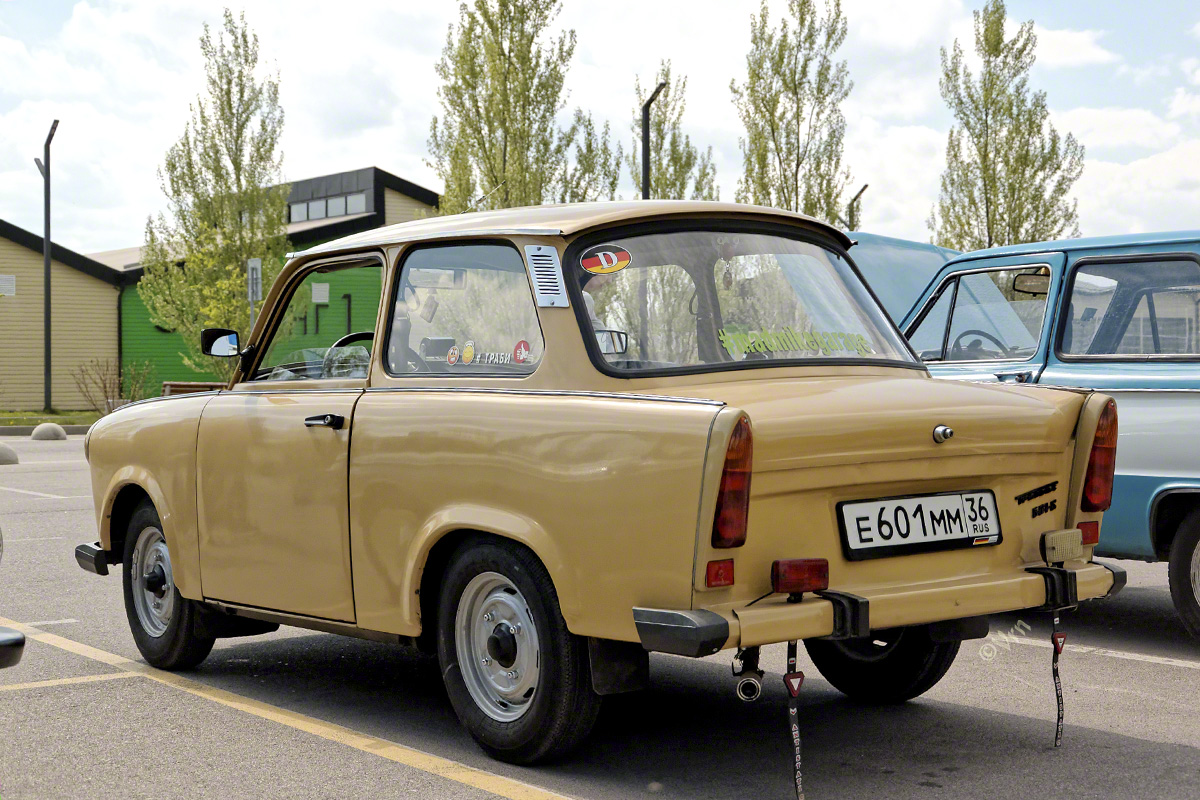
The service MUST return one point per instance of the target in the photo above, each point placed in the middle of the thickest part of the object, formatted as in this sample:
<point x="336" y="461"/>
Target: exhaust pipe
<point x="749" y="689"/>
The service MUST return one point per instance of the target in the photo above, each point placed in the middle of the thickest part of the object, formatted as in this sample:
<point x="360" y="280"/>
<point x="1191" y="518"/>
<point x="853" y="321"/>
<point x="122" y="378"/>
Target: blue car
<point x="1118" y="314"/>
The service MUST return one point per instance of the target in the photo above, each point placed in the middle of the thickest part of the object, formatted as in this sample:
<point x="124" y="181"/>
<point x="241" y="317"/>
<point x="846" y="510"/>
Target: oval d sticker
<point x="604" y="259"/>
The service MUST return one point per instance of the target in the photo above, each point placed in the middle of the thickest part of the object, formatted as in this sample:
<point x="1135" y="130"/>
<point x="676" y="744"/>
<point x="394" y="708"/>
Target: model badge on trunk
<point x="941" y="433"/>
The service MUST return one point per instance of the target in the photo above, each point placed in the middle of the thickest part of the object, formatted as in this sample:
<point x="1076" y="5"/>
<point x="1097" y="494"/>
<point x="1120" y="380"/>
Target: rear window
<point x="687" y="300"/>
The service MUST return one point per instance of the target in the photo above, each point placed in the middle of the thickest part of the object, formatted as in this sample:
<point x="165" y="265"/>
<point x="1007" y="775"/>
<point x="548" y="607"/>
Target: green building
<point x="319" y="209"/>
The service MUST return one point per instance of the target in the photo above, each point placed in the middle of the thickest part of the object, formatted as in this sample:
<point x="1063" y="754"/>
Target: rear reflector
<point x="1060" y="546"/>
<point x="1098" y="482"/>
<point x="733" y="496"/>
<point x="1091" y="533"/>
<point x="719" y="573"/>
<point x="798" y="575"/>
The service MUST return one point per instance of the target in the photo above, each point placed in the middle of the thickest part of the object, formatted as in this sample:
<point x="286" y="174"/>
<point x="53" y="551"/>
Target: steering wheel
<point x="955" y="347"/>
<point x="351" y="338"/>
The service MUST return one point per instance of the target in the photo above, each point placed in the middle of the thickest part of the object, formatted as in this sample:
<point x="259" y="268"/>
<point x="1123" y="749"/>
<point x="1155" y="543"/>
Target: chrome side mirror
<point x="615" y="342"/>
<point x="219" y="342"/>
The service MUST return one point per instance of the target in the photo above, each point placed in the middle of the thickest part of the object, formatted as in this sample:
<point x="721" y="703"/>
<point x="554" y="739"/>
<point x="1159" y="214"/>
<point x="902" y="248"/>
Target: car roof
<point x="1089" y="243"/>
<point x="556" y="220"/>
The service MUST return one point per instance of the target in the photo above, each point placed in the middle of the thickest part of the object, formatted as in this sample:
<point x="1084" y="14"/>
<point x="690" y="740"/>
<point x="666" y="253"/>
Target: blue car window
<point x="1134" y="309"/>
<point x="997" y="315"/>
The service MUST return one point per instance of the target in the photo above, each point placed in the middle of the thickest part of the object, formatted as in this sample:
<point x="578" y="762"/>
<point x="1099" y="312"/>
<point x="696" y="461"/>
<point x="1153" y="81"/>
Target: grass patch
<point x="38" y="417"/>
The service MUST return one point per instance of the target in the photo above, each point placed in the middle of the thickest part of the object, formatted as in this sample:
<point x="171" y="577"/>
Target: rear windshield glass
<point x="689" y="299"/>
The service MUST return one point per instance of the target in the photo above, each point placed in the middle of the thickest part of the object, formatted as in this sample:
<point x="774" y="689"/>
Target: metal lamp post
<point x="45" y="170"/>
<point x="646" y="140"/>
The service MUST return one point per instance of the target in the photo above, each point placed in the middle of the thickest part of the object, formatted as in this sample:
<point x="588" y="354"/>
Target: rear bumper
<point x="92" y="558"/>
<point x="696" y="633"/>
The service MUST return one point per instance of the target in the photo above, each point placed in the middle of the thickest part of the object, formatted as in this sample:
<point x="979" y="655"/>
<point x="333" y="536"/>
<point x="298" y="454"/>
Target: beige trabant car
<point x="542" y="442"/>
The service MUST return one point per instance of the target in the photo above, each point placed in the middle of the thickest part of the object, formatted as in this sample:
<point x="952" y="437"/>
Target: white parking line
<point x="35" y="494"/>
<point x="39" y="539"/>
<point x="51" y="622"/>
<point x="1103" y="651"/>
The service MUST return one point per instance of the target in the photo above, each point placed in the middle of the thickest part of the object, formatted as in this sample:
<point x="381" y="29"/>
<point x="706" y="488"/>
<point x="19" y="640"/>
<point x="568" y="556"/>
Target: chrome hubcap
<point x="497" y="646"/>
<point x="153" y="584"/>
<point x="1196" y="573"/>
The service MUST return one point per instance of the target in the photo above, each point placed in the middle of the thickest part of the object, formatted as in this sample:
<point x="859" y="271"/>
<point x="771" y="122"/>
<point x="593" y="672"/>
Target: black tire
<point x="182" y="645"/>
<point x="1185" y="582"/>
<point x="908" y="665"/>
<point x="562" y="708"/>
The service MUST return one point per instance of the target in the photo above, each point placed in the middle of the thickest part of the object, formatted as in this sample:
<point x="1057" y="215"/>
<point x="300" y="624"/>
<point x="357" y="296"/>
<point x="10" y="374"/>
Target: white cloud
<point x="1071" y="48"/>
<point x="1191" y="68"/>
<point x="1196" y="30"/>
<point x="1184" y="104"/>
<point x="1155" y="193"/>
<point x="1116" y="127"/>
<point x="902" y="164"/>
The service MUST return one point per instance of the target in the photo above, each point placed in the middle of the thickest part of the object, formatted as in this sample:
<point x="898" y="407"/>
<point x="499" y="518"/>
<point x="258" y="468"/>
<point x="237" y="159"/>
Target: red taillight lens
<point x="719" y="573"/>
<point x="733" y="497"/>
<point x="1091" y="532"/>
<point x="797" y="575"/>
<point x="1098" y="482"/>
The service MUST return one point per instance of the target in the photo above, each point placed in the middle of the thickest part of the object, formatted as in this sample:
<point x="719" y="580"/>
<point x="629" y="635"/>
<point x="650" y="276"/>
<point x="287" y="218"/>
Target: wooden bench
<point x="189" y="387"/>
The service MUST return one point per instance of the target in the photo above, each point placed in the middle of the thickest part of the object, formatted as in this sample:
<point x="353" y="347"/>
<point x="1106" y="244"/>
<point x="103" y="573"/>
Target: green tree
<point x="1008" y="172"/>
<point x="226" y="202"/>
<point x="790" y="106"/>
<point x="678" y="170"/>
<point x="498" y="143"/>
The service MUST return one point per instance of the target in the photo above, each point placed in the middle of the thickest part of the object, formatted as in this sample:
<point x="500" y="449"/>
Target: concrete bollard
<point x="48" y="431"/>
<point x="8" y="455"/>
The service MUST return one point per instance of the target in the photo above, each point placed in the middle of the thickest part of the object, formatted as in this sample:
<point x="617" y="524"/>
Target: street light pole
<point x="46" y="244"/>
<point x="646" y="140"/>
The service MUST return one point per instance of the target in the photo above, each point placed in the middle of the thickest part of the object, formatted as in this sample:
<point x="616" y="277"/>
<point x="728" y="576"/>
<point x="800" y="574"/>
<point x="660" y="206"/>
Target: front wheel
<point x="519" y="681"/>
<point x="1184" y="573"/>
<point x="164" y="624"/>
<point x="887" y="667"/>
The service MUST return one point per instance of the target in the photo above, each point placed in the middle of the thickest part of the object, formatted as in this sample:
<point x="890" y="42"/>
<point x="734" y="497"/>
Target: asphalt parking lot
<point x="298" y="714"/>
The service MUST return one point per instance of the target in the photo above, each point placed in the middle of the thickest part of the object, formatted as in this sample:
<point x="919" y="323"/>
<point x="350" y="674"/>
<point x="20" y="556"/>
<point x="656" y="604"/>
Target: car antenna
<point x="471" y="206"/>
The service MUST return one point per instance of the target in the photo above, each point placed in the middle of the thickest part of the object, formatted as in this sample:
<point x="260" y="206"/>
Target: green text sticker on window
<point x="790" y="340"/>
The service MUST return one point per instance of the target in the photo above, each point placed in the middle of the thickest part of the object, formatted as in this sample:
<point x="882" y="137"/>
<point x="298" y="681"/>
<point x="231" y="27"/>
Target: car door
<point x="987" y="319"/>
<point x="1130" y="327"/>
<point x="273" y="452"/>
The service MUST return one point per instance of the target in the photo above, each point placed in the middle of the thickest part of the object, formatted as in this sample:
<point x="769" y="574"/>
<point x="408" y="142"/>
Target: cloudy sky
<point x="359" y="89"/>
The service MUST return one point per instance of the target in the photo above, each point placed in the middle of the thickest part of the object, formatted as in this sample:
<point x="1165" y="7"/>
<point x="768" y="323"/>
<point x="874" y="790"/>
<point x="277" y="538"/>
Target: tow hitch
<point x="793" y="680"/>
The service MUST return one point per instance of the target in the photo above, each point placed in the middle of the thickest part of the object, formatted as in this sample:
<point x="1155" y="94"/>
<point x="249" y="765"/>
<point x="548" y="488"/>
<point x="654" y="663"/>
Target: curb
<point x="25" y="430"/>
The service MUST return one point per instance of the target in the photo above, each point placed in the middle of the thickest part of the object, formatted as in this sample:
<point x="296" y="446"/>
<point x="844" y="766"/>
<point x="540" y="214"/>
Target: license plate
<point x="918" y="524"/>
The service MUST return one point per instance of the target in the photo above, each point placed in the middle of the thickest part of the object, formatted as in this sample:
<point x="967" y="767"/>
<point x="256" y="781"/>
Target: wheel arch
<point x="443" y="536"/>
<point x="1167" y="510"/>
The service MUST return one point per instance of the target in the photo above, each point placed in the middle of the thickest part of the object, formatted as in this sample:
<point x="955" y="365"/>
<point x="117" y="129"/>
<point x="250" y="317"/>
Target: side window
<point x="998" y="314"/>
<point x="328" y="326"/>
<point x="930" y="335"/>
<point x="464" y="310"/>
<point x="1146" y="308"/>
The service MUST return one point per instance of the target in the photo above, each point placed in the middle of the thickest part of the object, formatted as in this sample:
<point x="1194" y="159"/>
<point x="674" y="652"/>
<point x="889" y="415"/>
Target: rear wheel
<point x="519" y="681"/>
<point x="164" y="624"/>
<point x="888" y="667"/>
<point x="1184" y="572"/>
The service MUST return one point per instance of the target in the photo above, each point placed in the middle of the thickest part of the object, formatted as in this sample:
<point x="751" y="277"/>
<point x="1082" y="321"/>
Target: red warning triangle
<point x="793" y="681"/>
<point x="1060" y="639"/>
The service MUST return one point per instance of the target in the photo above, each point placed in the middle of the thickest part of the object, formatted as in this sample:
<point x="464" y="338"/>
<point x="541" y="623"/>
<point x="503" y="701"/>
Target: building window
<point x="337" y="206"/>
<point x="299" y="212"/>
<point x="316" y="209"/>
<point x="356" y="203"/>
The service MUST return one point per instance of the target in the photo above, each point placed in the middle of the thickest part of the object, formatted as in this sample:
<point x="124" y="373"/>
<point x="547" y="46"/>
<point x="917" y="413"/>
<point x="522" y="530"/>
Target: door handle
<point x="1018" y="377"/>
<point x="335" y="421"/>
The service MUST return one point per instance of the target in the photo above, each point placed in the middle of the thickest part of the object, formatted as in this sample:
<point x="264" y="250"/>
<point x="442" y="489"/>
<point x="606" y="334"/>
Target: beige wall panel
<point x="85" y="327"/>
<point x="401" y="208"/>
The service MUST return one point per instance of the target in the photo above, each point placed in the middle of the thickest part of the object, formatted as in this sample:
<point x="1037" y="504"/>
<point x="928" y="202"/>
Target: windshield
<point x="689" y="299"/>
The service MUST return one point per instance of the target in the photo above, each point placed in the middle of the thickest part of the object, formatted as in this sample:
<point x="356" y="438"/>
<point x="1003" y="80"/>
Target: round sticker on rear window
<point x="604" y="259"/>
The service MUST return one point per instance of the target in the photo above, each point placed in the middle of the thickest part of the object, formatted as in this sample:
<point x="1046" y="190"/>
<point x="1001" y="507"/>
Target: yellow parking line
<point x="436" y="765"/>
<point x="108" y="676"/>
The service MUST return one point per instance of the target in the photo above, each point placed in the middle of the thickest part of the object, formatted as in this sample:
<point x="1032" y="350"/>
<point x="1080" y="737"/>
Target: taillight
<point x="799" y="575"/>
<point x="733" y="496"/>
<point x="1098" y="482"/>
<point x="1091" y="533"/>
<point x="719" y="573"/>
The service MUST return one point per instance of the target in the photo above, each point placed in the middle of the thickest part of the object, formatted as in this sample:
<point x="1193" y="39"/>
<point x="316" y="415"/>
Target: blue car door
<point x="988" y="319"/>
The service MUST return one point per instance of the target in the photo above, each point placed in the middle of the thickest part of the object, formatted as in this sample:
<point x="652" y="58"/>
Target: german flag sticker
<point x="605" y="259"/>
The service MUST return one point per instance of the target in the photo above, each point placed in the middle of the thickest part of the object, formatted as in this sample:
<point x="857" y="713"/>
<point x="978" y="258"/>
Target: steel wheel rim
<point x="494" y="626"/>
<point x="876" y="647"/>
<point x="154" y="608"/>
<point x="1196" y="573"/>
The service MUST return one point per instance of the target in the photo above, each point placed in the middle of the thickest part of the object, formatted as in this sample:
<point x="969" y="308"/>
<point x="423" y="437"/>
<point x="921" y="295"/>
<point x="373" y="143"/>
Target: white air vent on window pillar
<point x="546" y="270"/>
